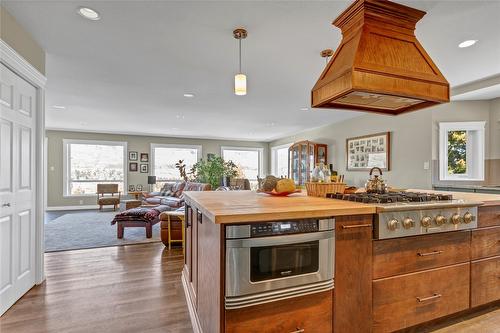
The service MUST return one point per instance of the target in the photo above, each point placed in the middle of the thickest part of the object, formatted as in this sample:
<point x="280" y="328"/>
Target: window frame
<point x="274" y="158"/>
<point x="260" y="151"/>
<point x="199" y="155"/>
<point x="475" y="155"/>
<point x="67" y="165"/>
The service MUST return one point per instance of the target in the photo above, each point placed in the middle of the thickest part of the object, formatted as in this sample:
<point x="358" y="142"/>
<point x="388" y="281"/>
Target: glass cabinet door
<point x="311" y="160"/>
<point x="294" y="163"/>
<point x="303" y="163"/>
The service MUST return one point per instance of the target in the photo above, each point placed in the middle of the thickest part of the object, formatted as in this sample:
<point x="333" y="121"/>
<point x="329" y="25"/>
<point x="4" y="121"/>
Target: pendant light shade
<point x="240" y="79"/>
<point x="240" y="84"/>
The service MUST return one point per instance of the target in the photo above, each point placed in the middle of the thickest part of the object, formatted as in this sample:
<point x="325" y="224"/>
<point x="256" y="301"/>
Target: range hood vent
<point x="380" y="66"/>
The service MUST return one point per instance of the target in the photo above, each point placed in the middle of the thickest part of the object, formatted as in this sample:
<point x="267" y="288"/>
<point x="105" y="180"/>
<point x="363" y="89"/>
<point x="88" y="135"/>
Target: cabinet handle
<point x="430" y="298"/>
<point x="433" y="253"/>
<point x="199" y="217"/>
<point x="187" y="220"/>
<point x="299" y="330"/>
<point x="357" y="226"/>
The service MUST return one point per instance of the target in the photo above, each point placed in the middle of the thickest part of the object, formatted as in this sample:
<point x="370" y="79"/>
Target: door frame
<point x="16" y="63"/>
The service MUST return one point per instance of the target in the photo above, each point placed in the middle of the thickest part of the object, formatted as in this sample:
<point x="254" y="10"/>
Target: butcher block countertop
<point x="486" y="198"/>
<point x="248" y="206"/>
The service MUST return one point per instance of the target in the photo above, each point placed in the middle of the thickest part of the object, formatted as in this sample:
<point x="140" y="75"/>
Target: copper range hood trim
<point x="379" y="55"/>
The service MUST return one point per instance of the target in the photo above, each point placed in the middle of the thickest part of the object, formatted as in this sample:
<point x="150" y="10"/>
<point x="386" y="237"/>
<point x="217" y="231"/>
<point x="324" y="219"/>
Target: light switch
<point x="426" y="165"/>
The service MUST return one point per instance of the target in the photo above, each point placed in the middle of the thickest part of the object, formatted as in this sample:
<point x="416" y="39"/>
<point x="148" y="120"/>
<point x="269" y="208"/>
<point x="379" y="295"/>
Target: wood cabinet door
<point x="307" y="314"/>
<point x="194" y="257"/>
<point x="407" y="300"/>
<point x="410" y="254"/>
<point x="488" y="216"/>
<point x="209" y="274"/>
<point x="353" y="274"/>
<point x="485" y="243"/>
<point x="485" y="281"/>
<point x="188" y="258"/>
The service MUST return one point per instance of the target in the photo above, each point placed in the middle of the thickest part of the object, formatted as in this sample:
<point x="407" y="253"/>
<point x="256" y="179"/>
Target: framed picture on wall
<point x="368" y="151"/>
<point x="138" y="187"/>
<point x="131" y="188"/>
<point x="144" y="168"/>
<point x="132" y="156"/>
<point x="144" y="157"/>
<point x="132" y="167"/>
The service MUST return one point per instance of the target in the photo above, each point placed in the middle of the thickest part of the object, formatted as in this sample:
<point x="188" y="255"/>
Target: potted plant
<point x="213" y="171"/>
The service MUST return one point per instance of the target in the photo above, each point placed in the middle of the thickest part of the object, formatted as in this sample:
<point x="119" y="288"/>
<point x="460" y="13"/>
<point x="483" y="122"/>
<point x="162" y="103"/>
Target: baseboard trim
<point x="195" y="321"/>
<point x="55" y="208"/>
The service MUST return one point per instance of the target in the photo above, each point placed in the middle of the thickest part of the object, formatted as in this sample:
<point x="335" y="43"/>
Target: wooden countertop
<point x="486" y="198"/>
<point x="248" y="206"/>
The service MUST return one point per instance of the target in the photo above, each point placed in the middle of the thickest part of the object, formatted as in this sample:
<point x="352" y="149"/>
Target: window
<point x="88" y="163"/>
<point x="461" y="150"/>
<point x="164" y="158"/>
<point x="279" y="160"/>
<point x="248" y="160"/>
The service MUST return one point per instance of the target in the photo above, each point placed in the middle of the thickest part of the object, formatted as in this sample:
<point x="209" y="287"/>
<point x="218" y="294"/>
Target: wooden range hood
<point x="380" y="66"/>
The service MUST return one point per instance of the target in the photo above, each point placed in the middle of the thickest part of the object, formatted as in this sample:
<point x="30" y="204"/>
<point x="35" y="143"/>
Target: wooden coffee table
<point x="129" y="204"/>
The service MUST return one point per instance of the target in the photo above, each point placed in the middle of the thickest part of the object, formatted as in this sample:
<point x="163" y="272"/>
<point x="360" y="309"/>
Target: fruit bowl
<point x="280" y="194"/>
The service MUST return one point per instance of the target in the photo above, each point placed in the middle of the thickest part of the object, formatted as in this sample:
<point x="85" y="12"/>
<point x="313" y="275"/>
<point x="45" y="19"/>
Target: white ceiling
<point x="127" y="73"/>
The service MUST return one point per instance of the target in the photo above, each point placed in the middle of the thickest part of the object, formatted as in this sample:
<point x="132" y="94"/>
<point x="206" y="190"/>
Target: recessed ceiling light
<point x="467" y="43"/>
<point x="89" y="13"/>
<point x="179" y="116"/>
<point x="189" y="95"/>
<point x="59" y="107"/>
<point x="304" y="109"/>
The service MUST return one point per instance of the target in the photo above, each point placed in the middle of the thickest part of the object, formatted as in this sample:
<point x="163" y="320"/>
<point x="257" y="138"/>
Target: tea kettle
<point x="375" y="184"/>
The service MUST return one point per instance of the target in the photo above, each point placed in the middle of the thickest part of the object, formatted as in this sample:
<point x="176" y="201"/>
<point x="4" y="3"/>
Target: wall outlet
<point x="426" y="165"/>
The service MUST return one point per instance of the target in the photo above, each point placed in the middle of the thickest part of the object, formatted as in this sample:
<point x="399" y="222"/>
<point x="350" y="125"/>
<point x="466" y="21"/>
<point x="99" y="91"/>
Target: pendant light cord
<point x="240" y="55"/>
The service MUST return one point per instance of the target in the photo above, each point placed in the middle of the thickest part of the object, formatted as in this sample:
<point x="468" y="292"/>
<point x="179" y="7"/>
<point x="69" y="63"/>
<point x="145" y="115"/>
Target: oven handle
<point x="279" y="240"/>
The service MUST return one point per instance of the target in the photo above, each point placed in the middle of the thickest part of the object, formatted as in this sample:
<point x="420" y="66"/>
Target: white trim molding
<point x="475" y="150"/>
<point x="274" y="151"/>
<point x="199" y="154"/>
<point x="83" y="207"/>
<point x="19" y="65"/>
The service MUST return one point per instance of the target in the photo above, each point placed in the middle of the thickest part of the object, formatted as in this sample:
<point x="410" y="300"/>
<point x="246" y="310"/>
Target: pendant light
<point x="240" y="79"/>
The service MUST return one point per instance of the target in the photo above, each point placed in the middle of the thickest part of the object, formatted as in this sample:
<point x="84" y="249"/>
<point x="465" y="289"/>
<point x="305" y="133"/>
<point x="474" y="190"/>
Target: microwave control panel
<point x="281" y="228"/>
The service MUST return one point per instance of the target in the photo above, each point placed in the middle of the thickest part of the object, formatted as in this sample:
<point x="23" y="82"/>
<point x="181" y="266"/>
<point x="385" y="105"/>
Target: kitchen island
<point x="360" y="263"/>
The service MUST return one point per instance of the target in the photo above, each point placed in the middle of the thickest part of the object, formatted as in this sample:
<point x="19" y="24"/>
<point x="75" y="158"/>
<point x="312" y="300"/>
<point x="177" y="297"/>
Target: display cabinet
<point x="302" y="157"/>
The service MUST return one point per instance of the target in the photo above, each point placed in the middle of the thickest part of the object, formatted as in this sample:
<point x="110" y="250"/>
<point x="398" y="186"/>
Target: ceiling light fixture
<point x="467" y="43"/>
<point x="240" y="79"/>
<point x="89" y="13"/>
<point x="189" y="95"/>
<point x="304" y="109"/>
<point x="59" y="107"/>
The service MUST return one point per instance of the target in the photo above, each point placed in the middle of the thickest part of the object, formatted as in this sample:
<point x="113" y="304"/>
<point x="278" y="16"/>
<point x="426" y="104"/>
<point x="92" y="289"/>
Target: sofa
<point x="172" y="195"/>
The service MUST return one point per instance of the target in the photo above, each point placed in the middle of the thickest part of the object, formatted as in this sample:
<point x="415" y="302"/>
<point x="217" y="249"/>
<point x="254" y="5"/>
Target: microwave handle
<point x="279" y="240"/>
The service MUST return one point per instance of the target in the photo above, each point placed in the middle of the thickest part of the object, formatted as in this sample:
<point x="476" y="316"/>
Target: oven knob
<point x="426" y="221"/>
<point x="455" y="219"/>
<point x="408" y="223"/>
<point x="440" y="220"/>
<point x="468" y="217"/>
<point x="393" y="224"/>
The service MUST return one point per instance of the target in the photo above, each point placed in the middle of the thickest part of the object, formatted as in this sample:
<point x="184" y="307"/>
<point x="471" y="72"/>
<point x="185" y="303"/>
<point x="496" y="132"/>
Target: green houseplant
<point x="213" y="171"/>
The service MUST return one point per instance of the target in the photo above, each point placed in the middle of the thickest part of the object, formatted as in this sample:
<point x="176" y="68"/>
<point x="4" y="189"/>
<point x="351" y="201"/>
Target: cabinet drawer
<point x="485" y="242"/>
<point x="407" y="300"/>
<point x="488" y="216"/>
<point x="311" y="313"/>
<point x="485" y="281"/>
<point x="405" y="255"/>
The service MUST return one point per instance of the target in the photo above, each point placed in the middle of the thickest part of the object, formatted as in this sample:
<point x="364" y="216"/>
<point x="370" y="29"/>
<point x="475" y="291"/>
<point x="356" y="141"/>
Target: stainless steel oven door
<point x="248" y="268"/>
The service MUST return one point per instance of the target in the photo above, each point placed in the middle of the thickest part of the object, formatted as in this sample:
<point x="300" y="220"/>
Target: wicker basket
<point x="321" y="189"/>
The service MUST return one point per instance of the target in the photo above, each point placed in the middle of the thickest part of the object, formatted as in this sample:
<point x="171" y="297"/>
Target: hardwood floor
<point x="133" y="288"/>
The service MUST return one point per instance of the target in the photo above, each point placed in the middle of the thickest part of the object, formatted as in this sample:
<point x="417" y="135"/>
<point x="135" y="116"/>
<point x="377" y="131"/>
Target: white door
<point x="17" y="187"/>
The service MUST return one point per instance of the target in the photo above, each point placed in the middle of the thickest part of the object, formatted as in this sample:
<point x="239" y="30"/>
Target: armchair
<point x="103" y="198"/>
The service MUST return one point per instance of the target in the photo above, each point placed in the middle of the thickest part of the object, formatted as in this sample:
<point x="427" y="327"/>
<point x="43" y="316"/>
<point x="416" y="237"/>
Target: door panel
<point x="5" y="253"/>
<point x="24" y="158"/>
<point x="5" y="155"/>
<point x="17" y="187"/>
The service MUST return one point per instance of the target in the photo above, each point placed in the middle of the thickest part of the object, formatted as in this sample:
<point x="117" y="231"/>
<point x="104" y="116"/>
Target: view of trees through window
<point x="247" y="161"/>
<point x="281" y="162"/>
<point x="92" y="164"/>
<point x="165" y="159"/>
<point x="457" y="152"/>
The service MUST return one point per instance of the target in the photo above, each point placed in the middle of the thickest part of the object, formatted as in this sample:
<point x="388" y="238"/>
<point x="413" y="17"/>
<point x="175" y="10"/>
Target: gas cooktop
<point x="401" y="214"/>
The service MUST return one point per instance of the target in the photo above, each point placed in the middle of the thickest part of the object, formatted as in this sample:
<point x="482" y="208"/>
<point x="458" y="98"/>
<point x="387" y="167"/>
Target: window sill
<point x="462" y="180"/>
